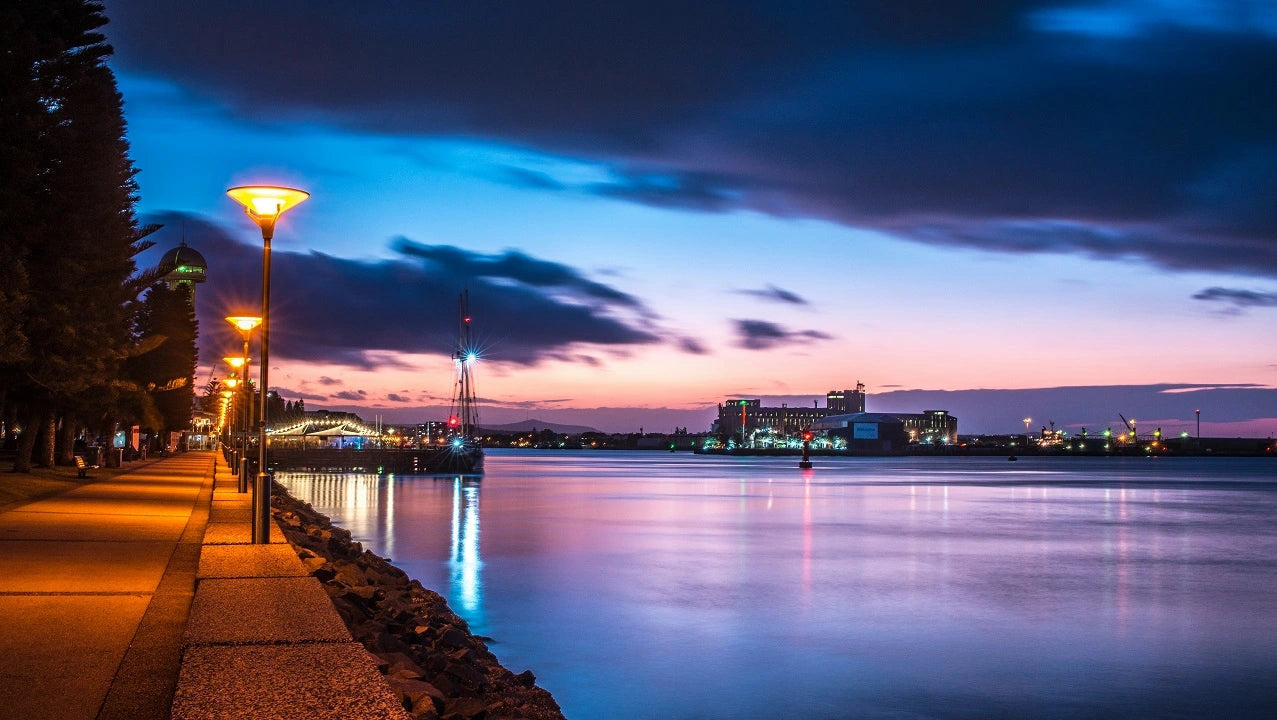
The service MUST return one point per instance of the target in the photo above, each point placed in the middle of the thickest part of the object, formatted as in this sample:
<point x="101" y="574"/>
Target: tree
<point x="68" y="215"/>
<point x="166" y="372"/>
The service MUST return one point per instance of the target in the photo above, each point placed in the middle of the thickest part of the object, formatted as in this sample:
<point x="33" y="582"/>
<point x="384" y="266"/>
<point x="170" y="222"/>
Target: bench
<point x="82" y="467"/>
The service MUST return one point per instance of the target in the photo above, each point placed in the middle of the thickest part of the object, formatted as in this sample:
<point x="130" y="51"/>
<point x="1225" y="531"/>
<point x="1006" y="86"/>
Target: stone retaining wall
<point x="427" y="652"/>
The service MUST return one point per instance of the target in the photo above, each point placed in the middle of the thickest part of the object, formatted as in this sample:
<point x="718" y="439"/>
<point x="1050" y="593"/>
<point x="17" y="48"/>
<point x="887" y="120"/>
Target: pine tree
<point x="70" y="219"/>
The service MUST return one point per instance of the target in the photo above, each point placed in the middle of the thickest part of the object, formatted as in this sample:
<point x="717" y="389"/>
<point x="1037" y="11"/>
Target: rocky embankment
<point x="427" y="653"/>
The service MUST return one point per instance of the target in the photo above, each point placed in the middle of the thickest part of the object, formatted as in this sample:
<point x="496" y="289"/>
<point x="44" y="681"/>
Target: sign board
<point x="864" y="431"/>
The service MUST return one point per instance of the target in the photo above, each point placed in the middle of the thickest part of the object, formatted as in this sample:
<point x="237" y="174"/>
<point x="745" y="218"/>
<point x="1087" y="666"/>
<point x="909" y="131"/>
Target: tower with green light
<point x="183" y="265"/>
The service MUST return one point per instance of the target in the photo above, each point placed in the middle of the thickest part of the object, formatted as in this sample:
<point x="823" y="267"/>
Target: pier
<point x="407" y="461"/>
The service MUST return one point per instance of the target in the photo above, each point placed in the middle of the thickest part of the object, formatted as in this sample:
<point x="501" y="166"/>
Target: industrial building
<point x="843" y="416"/>
<point x="890" y="431"/>
<point x="784" y="420"/>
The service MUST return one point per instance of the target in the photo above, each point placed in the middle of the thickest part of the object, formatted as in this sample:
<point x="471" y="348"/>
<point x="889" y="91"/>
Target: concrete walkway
<point x="140" y="597"/>
<point x="95" y="585"/>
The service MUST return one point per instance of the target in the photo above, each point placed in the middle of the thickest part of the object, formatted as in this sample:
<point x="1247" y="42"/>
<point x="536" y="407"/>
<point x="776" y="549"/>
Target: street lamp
<point x="1027" y="420"/>
<point x="264" y="204"/>
<point x="245" y="325"/>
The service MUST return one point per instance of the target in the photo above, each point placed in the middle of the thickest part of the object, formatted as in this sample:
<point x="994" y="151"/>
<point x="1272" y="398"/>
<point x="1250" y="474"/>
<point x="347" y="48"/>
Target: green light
<point x="742" y="402"/>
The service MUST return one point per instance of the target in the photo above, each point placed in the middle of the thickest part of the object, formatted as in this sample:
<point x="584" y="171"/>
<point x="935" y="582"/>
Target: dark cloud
<point x="762" y="335"/>
<point x="296" y="394"/>
<point x="1118" y="130"/>
<point x="522" y="177"/>
<point x="365" y="314"/>
<point x="1237" y="298"/>
<point x="355" y="395"/>
<point x="692" y="346"/>
<point x="396" y="397"/>
<point x="514" y="266"/>
<point x="686" y="190"/>
<point x="775" y="294"/>
<point x="325" y="380"/>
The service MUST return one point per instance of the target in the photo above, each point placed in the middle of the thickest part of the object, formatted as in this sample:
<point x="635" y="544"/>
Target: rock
<point x="452" y="637"/>
<point x="313" y="563"/>
<point x="418" y="693"/>
<point x="472" y="708"/>
<point x="401" y="665"/>
<point x="367" y="593"/>
<point x="426" y="652"/>
<point x="466" y="675"/>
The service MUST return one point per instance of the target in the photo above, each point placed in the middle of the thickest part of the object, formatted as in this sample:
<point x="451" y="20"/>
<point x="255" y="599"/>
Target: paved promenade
<point x="140" y="597"/>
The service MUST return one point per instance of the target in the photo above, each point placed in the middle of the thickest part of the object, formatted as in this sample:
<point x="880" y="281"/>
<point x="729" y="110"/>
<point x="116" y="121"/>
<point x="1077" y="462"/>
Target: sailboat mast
<point x="465" y="355"/>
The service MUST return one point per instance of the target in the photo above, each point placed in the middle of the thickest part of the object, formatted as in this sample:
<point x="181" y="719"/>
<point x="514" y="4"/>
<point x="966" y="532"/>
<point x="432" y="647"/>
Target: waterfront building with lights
<point x="843" y="416"/>
<point x="784" y="420"/>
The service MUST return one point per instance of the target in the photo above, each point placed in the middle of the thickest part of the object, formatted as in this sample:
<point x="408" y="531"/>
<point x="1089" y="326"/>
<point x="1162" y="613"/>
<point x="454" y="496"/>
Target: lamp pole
<point x="237" y="405"/>
<point x="264" y="205"/>
<point x="1199" y="423"/>
<point x="245" y="325"/>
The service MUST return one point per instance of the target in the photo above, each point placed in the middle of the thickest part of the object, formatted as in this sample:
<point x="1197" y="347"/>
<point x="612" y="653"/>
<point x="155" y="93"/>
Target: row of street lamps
<point x="263" y="205"/>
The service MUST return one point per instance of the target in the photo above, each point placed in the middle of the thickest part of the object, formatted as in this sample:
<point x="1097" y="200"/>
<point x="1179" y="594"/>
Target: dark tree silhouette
<point x="166" y="372"/>
<point x="66" y="218"/>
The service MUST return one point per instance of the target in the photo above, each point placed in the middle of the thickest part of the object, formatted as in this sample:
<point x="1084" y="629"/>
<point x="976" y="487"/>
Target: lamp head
<point x="231" y="382"/>
<point x="265" y="203"/>
<point x="235" y="362"/>
<point x="244" y="323"/>
<point x="227" y="394"/>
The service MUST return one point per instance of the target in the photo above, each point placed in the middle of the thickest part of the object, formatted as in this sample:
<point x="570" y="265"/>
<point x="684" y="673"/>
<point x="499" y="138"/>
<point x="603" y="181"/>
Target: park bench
<point x="82" y="467"/>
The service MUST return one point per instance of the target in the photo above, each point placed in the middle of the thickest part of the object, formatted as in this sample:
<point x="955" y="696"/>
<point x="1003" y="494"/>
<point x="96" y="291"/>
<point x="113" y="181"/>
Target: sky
<point x="995" y="208"/>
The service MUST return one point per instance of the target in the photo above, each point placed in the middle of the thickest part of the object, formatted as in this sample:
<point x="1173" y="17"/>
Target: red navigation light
<point x="467" y="319"/>
<point x="807" y="436"/>
<point x="452" y="421"/>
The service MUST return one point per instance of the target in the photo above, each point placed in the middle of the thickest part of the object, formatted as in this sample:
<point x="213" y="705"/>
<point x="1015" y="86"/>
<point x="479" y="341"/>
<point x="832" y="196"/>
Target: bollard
<point x="243" y="474"/>
<point x="261" y="509"/>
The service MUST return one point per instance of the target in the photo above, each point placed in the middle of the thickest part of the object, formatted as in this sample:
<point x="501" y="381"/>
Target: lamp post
<point x="1199" y="424"/>
<point x="245" y="324"/>
<point x="240" y="365"/>
<point x="1027" y="420"/>
<point x="264" y="205"/>
<point x="226" y="405"/>
<point x="237" y="452"/>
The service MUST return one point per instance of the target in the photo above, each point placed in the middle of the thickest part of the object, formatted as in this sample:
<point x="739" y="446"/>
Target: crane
<point x="1130" y="425"/>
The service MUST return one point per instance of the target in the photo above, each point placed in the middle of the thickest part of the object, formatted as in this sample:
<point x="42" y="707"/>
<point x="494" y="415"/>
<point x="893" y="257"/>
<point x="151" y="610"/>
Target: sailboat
<point x="463" y="452"/>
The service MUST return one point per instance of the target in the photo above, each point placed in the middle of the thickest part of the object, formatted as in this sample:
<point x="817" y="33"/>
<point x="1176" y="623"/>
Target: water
<point x="654" y="585"/>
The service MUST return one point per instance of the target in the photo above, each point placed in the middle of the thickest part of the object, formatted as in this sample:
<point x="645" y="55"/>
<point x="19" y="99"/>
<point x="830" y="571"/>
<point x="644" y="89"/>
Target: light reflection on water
<point x="661" y="586"/>
<point x="465" y="563"/>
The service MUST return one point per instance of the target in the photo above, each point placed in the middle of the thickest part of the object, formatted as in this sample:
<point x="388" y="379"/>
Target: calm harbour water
<point x="655" y="585"/>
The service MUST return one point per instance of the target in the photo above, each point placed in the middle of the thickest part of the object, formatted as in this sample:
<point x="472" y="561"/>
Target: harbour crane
<point x="1130" y="425"/>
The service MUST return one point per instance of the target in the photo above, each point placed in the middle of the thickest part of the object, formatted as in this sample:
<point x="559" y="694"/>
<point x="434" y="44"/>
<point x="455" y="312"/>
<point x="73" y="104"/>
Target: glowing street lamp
<point x="245" y="324"/>
<point x="263" y="205"/>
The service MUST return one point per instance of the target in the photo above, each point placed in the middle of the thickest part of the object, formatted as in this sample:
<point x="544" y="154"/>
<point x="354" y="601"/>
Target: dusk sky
<point x="658" y="206"/>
